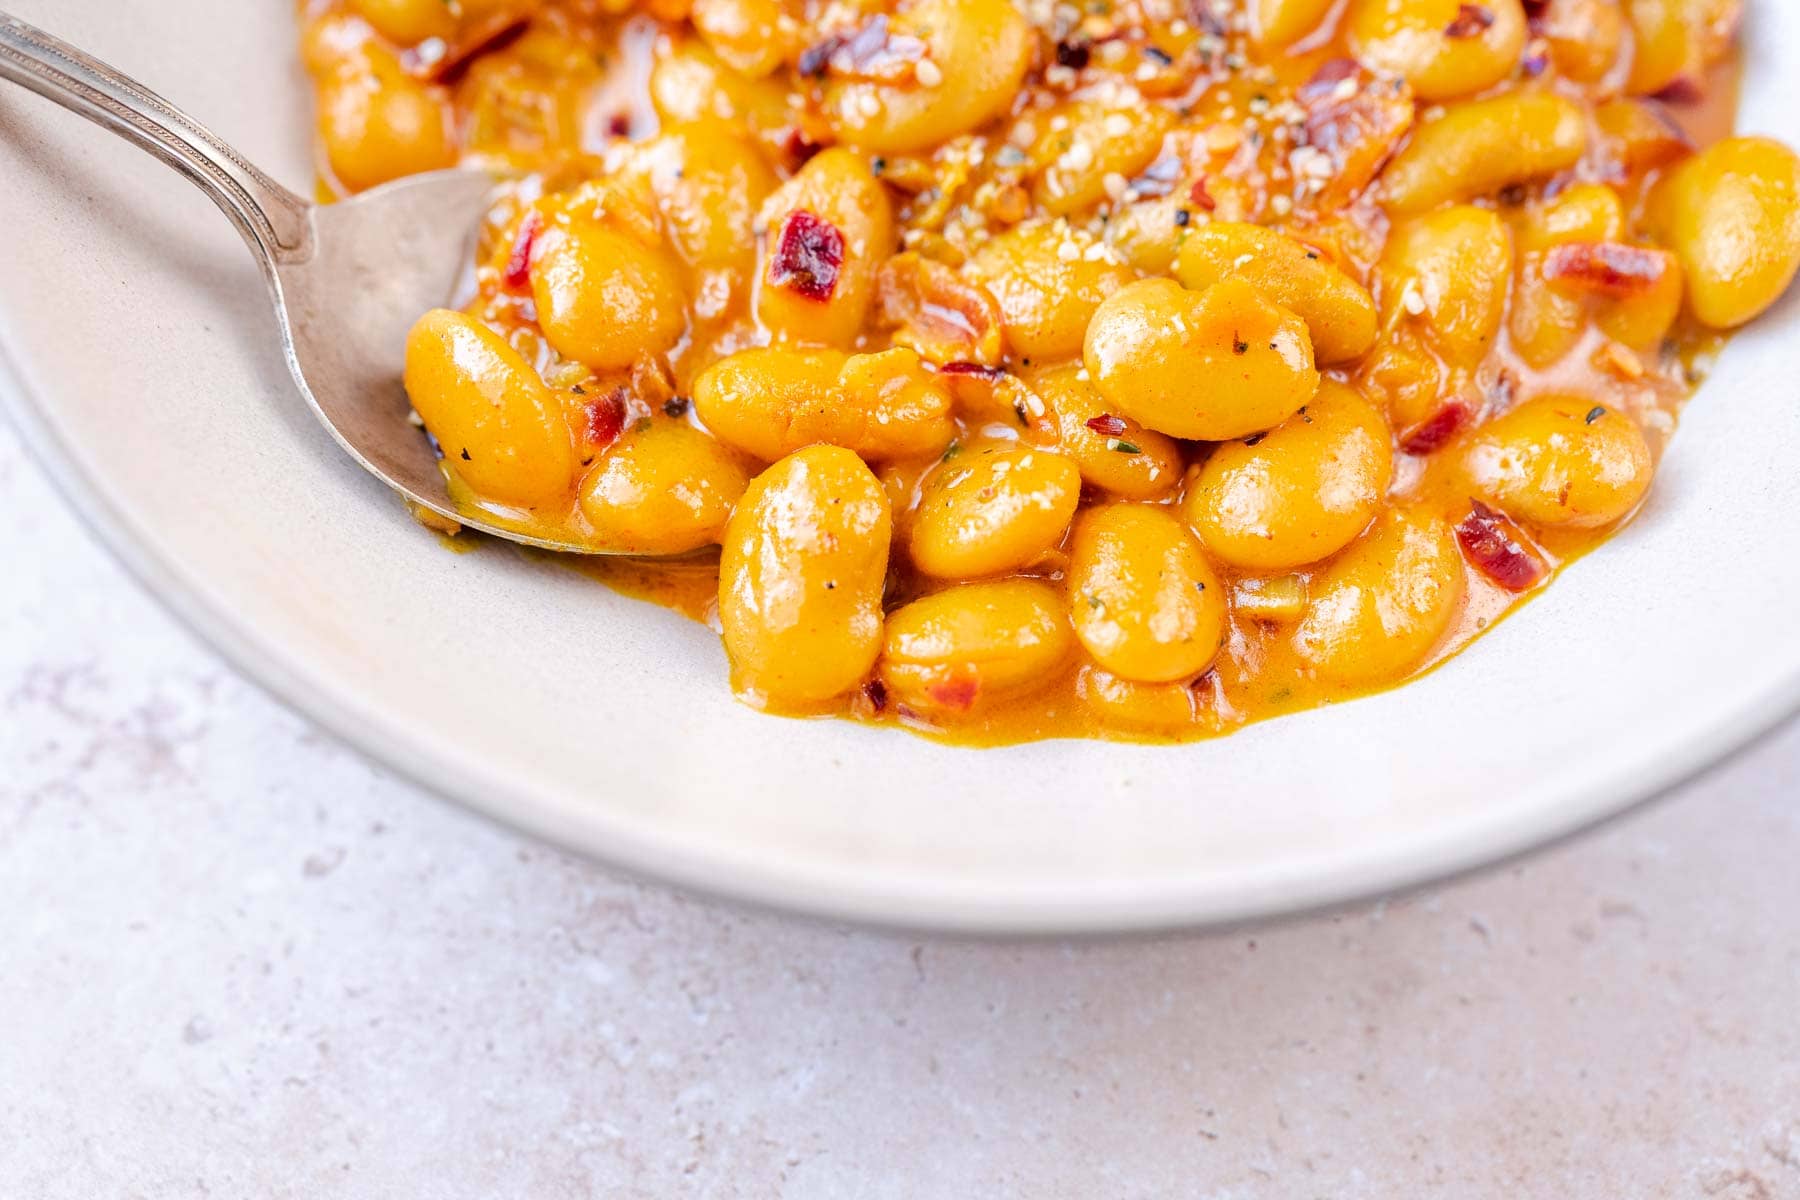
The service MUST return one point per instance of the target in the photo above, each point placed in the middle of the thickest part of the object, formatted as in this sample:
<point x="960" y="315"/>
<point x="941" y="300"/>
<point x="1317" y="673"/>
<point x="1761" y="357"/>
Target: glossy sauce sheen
<point x="1204" y="179"/>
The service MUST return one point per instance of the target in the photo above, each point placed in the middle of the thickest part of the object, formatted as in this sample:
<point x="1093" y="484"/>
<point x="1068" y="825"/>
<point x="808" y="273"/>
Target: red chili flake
<point x="876" y="693"/>
<point x="809" y="251"/>
<point x="619" y="125"/>
<point x="971" y="368"/>
<point x="957" y="692"/>
<point x="518" y="263"/>
<point x="1201" y="197"/>
<point x="1472" y="20"/>
<point x="1611" y="268"/>
<point x="1106" y="425"/>
<point x="604" y="418"/>
<point x="1495" y="547"/>
<point x="1434" y="431"/>
<point x="1074" y="53"/>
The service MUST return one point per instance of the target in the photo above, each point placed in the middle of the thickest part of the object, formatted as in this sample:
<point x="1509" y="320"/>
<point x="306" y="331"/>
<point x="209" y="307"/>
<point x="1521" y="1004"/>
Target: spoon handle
<point x="272" y="219"/>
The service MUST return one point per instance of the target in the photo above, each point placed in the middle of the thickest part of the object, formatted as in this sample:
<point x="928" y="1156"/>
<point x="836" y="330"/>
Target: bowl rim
<point x="1404" y="866"/>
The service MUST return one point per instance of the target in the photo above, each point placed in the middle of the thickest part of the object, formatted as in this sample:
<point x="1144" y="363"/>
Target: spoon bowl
<point x="348" y="279"/>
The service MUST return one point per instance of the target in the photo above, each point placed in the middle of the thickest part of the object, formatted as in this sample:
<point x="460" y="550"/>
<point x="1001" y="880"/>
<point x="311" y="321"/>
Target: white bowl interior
<point x="146" y="370"/>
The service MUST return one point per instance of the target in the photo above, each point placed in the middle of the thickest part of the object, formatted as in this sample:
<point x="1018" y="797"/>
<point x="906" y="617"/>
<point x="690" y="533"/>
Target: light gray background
<point x="236" y="960"/>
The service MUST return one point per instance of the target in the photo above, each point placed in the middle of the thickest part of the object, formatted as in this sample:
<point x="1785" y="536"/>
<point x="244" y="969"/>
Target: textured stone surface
<point x="236" y="960"/>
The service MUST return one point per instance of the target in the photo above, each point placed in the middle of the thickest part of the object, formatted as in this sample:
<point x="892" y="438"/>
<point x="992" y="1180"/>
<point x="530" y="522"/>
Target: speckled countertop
<point x="238" y="961"/>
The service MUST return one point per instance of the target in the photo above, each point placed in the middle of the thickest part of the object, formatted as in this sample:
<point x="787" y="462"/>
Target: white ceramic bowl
<point x="140" y="360"/>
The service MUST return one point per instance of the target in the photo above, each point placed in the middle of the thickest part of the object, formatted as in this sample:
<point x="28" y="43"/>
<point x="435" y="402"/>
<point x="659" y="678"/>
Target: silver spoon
<point x="348" y="279"/>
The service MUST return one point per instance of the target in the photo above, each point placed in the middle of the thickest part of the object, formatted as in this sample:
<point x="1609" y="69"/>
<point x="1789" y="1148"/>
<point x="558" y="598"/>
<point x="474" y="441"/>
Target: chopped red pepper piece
<point x="1106" y="425"/>
<point x="1609" y="267"/>
<point x="518" y="263"/>
<point x="1496" y="548"/>
<point x="971" y="368"/>
<point x="604" y="418"/>
<point x="809" y="252"/>
<point x="1434" y="431"/>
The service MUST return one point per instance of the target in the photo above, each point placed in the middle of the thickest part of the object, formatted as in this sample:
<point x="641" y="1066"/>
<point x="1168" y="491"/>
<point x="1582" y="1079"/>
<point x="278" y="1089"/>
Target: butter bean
<point x="1380" y="608"/>
<point x="1435" y="45"/>
<point x="974" y="642"/>
<point x="1338" y="311"/>
<point x="1561" y="461"/>
<point x="827" y="231"/>
<point x="1114" y="452"/>
<point x="1480" y="146"/>
<point x="662" y="488"/>
<point x="1301" y="493"/>
<point x="1211" y="365"/>
<point x="801" y="576"/>
<point x="603" y="295"/>
<point x="1449" y="271"/>
<point x="1047" y="296"/>
<point x="774" y="400"/>
<point x="1732" y="215"/>
<point x="993" y="507"/>
<point x="1147" y="605"/>
<point x="501" y="430"/>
